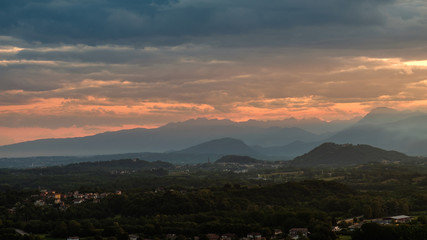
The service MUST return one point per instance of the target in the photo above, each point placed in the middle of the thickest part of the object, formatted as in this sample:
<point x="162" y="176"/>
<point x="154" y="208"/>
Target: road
<point x="21" y="232"/>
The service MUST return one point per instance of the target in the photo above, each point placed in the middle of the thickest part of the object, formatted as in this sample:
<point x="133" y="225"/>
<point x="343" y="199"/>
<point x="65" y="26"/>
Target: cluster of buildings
<point x="122" y="172"/>
<point x="61" y="199"/>
<point x="245" y="167"/>
<point x="352" y="224"/>
<point x="294" y="233"/>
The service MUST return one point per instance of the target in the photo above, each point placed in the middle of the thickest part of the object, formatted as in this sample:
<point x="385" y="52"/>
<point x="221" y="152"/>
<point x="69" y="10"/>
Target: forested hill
<point x="221" y="146"/>
<point x="331" y="154"/>
<point x="104" y="166"/>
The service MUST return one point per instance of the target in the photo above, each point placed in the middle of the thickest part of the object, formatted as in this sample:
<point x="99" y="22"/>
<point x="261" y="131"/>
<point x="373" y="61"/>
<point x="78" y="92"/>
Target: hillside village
<point x="62" y="201"/>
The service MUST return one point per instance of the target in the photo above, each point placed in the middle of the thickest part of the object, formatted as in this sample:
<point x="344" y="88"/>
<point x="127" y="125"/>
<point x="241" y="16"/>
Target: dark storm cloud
<point x="29" y="78"/>
<point x="88" y="54"/>
<point x="71" y="58"/>
<point x="175" y="22"/>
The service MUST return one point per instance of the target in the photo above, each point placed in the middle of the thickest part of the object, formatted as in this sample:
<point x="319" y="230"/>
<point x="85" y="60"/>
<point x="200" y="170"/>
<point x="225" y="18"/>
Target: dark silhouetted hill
<point x="223" y="146"/>
<point x="390" y="129"/>
<point x="104" y="166"/>
<point x="331" y="154"/>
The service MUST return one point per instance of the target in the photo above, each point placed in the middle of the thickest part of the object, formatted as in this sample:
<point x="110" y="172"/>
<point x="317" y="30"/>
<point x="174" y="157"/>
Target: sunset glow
<point x="60" y="77"/>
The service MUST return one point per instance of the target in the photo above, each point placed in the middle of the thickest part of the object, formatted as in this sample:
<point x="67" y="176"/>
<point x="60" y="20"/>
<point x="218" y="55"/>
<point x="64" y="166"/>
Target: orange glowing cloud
<point x="300" y="108"/>
<point x="15" y="135"/>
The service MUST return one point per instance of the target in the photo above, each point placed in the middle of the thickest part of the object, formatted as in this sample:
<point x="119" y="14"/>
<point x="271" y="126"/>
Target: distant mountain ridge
<point x="171" y="137"/>
<point x="223" y="146"/>
<point x="385" y="128"/>
<point x="384" y="115"/>
<point x="326" y="154"/>
<point x="208" y="151"/>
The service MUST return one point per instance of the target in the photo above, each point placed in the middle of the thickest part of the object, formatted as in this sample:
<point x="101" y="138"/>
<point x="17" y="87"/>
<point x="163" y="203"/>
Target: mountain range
<point x="385" y="128"/>
<point x="170" y="137"/>
<point x="326" y="154"/>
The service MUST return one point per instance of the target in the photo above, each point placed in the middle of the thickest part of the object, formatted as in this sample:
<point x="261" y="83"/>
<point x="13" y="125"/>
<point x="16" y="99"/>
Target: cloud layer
<point x="103" y="64"/>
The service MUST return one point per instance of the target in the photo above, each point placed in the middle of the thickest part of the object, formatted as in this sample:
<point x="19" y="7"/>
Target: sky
<point x="73" y="68"/>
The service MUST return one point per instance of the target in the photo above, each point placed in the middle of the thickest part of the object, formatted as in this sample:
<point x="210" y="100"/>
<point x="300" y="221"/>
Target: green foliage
<point x="238" y="159"/>
<point x="194" y="201"/>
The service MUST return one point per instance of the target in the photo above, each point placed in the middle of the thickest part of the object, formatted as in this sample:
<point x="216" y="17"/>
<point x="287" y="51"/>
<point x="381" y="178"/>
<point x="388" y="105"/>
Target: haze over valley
<point x="197" y="140"/>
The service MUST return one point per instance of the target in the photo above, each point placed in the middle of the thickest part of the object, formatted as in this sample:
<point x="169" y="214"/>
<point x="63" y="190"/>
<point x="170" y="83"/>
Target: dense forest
<point x="158" y="200"/>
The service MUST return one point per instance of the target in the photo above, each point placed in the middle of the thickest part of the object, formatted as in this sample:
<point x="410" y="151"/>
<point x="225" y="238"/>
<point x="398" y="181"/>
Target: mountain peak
<point x="382" y="115"/>
<point x="384" y="110"/>
<point x="221" y="146"/>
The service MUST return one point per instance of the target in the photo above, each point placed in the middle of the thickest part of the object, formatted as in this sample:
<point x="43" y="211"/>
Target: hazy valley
<point x="200" y="140"/>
